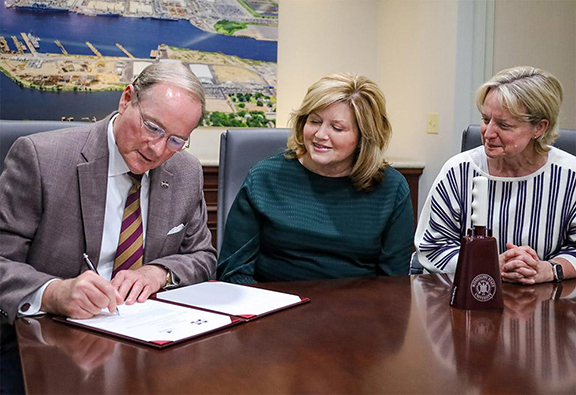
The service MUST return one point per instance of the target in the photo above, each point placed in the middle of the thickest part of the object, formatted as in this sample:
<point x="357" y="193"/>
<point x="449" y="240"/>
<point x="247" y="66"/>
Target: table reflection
<point x="535" y="333"/>
<point x="82" y="348"/>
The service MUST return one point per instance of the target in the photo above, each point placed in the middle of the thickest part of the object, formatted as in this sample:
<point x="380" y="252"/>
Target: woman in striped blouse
<point x="532" y="186"/>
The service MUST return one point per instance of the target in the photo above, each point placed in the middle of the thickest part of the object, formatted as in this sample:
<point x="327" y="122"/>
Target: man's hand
<point x="80" y="297"/>
<point x="138" y="285"/>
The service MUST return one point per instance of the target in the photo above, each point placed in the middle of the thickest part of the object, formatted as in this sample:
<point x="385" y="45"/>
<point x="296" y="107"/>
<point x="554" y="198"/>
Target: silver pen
<point x="93" y="268"/>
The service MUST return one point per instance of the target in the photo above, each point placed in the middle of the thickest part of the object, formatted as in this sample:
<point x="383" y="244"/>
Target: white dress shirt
<point x="119" y="184"/>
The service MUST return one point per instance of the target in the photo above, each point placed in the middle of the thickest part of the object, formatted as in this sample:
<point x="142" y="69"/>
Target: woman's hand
<point x="522" y="265"/>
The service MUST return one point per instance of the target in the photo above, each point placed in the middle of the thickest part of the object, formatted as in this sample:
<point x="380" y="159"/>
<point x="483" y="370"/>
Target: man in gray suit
<point x="62" y="195"/>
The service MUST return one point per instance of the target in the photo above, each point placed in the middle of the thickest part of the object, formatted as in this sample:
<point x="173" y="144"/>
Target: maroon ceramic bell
<point x="477" y="284"/>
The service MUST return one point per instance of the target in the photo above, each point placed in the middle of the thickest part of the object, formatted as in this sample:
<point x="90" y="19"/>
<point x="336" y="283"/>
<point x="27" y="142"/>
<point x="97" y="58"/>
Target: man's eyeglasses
<point x="174" y="143"/>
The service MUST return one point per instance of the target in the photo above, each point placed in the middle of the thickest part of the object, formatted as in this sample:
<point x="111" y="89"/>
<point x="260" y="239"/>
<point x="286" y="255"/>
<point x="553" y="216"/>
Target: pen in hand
<point x="93" y="268"/>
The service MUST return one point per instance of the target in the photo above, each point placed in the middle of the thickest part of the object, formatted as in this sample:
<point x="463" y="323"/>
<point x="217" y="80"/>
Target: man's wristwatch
<point x="169" y="279"/>
<point x="557" y="270"/>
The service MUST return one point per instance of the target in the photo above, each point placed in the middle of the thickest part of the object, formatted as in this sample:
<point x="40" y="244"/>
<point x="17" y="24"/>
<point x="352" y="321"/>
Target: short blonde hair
<point x="369" y="107"/>
<point x="530" y="95"/>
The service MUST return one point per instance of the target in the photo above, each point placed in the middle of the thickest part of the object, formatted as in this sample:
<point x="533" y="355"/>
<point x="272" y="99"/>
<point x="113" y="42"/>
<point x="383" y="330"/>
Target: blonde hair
<point x="530" y="95"/>
<point x="369" y="107"/>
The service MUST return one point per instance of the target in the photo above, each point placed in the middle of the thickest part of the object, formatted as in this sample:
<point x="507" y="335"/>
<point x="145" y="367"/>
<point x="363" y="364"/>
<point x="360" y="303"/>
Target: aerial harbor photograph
<point x="71" y="59"/>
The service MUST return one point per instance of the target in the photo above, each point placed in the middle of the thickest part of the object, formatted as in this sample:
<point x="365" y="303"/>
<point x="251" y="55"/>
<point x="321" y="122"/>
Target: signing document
<point x="155" y="322"/>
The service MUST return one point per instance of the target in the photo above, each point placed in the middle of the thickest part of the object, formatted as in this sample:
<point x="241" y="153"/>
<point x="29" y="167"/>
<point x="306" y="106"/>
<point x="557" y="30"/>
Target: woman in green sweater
<point x="330" y="206"/>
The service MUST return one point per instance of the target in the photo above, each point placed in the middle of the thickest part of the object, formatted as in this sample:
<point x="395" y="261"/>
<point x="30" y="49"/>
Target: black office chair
<point x="471" y="138"/>
<point x="240" y="149"/>
<point x="10" y="130"/>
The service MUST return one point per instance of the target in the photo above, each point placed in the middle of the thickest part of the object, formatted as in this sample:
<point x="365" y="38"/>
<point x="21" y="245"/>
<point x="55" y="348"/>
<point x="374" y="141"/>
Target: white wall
<point x="417" y="75"/>
<point x="541" y="34"/>
<point x="321" y="37"/>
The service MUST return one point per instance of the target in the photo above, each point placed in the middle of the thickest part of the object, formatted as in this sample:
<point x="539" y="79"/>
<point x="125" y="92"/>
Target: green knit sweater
<point x="288" y="223"/>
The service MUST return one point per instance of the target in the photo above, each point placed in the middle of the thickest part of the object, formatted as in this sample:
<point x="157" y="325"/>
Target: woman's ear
<point x="541" y="128"/>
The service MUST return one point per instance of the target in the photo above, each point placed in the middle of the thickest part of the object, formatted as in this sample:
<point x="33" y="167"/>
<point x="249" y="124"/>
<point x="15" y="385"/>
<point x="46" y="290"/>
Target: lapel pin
<point x="165" y="184"/>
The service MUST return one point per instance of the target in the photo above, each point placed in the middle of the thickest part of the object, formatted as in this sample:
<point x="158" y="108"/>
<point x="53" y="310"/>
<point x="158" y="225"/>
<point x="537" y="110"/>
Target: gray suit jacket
<point x="52" y="203"/>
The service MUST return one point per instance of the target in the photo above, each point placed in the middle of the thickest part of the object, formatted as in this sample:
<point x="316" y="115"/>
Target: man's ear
<point x="127" y="96"/>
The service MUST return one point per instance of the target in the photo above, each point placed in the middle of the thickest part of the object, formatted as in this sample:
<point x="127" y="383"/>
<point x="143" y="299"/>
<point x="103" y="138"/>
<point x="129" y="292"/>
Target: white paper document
<point x="229" y="298"/>
<point x="154" y="321"/>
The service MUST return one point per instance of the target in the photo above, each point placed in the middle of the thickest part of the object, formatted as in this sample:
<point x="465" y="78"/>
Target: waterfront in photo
<point x="17" y="102"/>
<point x="137" y="35"/>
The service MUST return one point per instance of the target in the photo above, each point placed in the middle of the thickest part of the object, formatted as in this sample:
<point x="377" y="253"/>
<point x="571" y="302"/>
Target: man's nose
<point x="158" y="146"/>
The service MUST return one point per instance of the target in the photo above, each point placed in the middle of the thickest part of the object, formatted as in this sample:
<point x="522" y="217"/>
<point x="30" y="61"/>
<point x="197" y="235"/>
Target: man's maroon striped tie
<point x="130" y="246"/>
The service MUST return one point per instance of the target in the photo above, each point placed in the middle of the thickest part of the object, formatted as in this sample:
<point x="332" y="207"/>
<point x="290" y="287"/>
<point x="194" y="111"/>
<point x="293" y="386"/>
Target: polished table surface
<point x="377" y="335"/>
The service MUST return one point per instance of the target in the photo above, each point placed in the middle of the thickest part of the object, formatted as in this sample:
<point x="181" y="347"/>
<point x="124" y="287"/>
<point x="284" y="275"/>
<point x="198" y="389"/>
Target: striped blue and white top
<point x="538" y="210"/>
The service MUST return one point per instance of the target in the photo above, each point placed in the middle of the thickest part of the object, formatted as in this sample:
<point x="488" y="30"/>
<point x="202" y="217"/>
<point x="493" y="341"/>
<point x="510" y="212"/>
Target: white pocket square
<point x="176" y="229"/>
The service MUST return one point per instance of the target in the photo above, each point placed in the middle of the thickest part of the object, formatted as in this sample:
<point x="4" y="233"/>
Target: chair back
<point x="240" y="149"/>
<point x="10" y="131"/>
<point x="471" y="138"/>
<point x="415" y="265"/>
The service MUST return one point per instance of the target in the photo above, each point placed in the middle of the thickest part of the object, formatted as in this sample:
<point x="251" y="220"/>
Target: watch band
<point x="557" y="270"/>
<point x="169" y="279"/>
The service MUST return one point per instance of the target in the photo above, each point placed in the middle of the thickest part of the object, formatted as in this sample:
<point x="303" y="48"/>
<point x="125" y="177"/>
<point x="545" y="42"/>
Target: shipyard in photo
<point x="251" y="18"/>
<point x="239" y="91"/>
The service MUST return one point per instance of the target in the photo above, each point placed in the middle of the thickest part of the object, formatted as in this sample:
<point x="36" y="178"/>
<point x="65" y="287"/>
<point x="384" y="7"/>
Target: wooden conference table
<point x="379" y="335"/>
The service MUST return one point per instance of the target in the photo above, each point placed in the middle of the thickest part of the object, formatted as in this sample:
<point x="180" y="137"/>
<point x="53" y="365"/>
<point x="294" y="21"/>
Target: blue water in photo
<point x="137" y="35"/>
<point x="22" y="103"/>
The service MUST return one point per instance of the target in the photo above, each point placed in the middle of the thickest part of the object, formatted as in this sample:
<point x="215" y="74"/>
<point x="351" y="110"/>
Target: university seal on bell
<point x="483" y="287"/>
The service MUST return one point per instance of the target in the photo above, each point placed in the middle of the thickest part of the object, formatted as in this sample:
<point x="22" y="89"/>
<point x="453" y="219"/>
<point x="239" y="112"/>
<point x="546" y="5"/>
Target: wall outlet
<point x="432" y="124"/>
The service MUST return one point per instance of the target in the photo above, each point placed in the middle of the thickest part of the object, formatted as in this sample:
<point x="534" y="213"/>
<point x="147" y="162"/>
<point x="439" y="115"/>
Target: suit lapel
<point x="93" y="180"/>
<point x="159" y="215"/>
